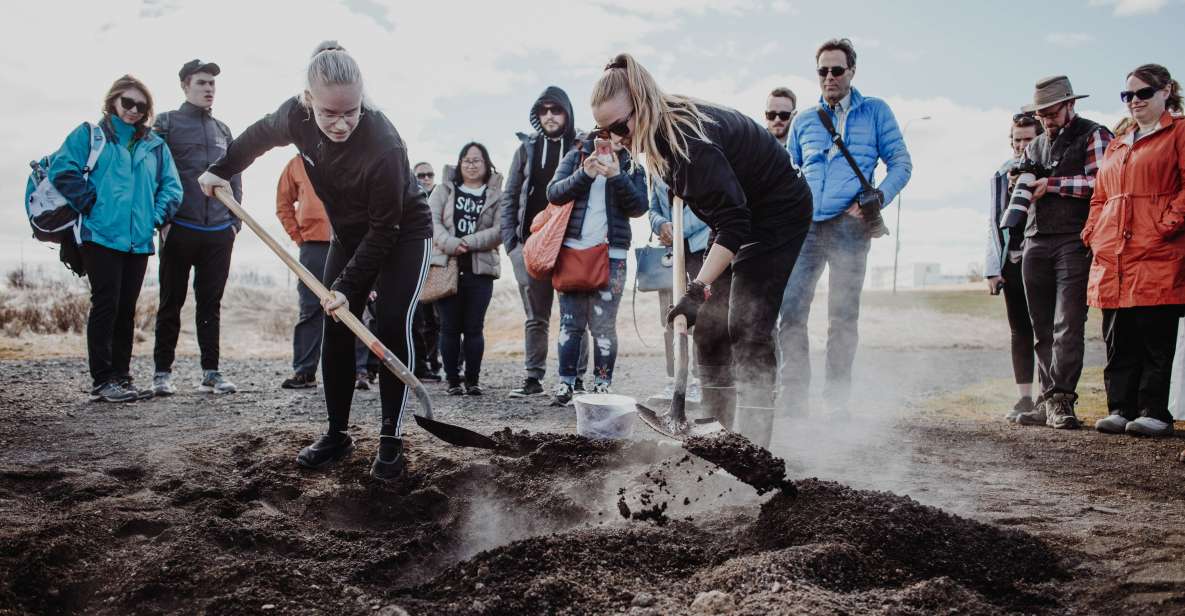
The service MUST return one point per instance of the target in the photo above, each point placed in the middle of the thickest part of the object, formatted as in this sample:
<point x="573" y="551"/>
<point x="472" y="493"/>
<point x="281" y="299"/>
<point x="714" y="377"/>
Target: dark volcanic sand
<point x="742" y="459"/>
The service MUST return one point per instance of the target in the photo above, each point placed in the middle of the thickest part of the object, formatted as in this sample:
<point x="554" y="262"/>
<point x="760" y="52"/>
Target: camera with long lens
<point x="1027" y="172"/>
<point x="870" y="203"/>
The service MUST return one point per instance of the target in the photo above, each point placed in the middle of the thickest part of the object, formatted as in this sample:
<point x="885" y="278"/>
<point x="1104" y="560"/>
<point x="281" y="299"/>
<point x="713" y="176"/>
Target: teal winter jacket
<point x="870" y="133"/>
<point x="129" y="192"/>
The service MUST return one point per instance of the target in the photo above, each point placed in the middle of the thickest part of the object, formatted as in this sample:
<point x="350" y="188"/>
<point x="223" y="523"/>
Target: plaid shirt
<point x="1082" y="186"/>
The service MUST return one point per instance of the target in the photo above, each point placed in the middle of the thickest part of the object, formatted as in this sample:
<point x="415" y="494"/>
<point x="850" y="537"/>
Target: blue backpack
<point x="53" y="218"/>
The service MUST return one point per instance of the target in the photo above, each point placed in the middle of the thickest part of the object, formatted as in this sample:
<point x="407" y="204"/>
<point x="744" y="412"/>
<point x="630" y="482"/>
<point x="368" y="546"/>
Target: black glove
<point x="689" y="305"/>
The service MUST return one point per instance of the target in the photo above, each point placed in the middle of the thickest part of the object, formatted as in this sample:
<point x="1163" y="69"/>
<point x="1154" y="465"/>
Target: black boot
<point x="718" y="397"/>
<point x="330" y="448"/>
<point x="388" y="463"/>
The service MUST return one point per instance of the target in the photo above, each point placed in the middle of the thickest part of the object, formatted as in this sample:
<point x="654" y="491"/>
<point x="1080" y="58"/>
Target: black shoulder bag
<point x="869" y="199"/>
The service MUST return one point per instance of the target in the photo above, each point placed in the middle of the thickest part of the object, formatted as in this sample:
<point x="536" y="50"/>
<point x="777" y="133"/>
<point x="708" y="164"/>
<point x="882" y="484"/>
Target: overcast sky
<point x="450" y="72"/>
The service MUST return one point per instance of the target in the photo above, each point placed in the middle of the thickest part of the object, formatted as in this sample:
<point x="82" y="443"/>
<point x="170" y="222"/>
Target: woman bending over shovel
<point x="739" y="180"/>
<point x="382" y="227"/>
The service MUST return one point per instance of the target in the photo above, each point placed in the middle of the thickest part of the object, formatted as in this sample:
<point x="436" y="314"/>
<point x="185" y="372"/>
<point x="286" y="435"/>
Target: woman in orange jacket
<point x="1137" y="276"/>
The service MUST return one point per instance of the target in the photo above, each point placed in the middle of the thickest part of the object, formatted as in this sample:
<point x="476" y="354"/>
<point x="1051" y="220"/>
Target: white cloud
<point x="1128" y="8"/>
<point x="783" y="7"/>
<point x="1069" y="40"/>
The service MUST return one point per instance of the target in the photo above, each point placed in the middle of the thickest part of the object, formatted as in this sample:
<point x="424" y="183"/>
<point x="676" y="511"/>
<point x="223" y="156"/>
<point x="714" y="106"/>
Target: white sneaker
<point x="1148" y="426"/>
<point x="600" y="388"/>
<point x="694" y="393"/>
<point x="1114" y="423"/>
<point x="562" y="394"/>
<point x="162" y="384"/>
<point x="212" y="382"/>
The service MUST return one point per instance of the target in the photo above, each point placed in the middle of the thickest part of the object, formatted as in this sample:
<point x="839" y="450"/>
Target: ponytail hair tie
<point x="615" y="64"/>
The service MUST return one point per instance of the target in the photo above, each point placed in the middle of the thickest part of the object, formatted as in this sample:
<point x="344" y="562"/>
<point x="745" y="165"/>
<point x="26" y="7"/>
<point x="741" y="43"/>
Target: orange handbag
<point x="581" y="269"/>
<point x="542" y="248"/>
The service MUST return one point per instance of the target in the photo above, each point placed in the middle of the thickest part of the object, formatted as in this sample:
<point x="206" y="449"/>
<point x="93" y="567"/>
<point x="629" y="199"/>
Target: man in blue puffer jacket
<point x="839" y="237"/>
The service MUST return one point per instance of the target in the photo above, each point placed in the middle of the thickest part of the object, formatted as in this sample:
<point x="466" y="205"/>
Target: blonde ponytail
<point x="330" y="65"/>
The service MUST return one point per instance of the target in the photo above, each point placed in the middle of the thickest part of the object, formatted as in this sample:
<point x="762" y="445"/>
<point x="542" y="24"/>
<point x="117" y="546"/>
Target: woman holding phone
<point x="606" y="190"/>
<point x="382" y="231"/>
<point x="739" y="180"/>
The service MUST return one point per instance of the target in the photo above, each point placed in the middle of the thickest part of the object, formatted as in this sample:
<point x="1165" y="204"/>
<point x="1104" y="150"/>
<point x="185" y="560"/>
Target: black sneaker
<point x="388" y="463"/>
<point x="329" y="448"/>
<point x="361" y="382"/>
<point x="141" y="394"/>
<point x="473" y="389"/>
<point x="531" y="387"/>
<point x="299" y="380"/>
<point x="454" y="389"/>
<point x="112" y="391"/>
<point x="428" y="376"/>
<point x="1024" y="405"/>
<point x="578" y="387"/>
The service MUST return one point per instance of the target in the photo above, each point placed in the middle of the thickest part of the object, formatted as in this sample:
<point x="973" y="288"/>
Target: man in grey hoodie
<point x="525" y="196"/>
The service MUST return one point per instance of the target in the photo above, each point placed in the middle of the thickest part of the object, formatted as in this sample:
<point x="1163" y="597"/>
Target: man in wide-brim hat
<point x="1055" y="262"/>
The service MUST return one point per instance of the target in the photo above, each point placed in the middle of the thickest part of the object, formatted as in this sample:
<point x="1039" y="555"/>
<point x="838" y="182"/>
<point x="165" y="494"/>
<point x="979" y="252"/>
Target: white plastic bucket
<point x="605" y="416"/>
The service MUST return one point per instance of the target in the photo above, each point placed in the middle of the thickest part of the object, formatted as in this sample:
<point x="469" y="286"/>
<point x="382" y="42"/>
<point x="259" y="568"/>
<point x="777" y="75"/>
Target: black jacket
<point x="366" y="183"/>
<point x="742" y="183"/>
<point x="197" y="139"/>
<point x="625" y="194"/>
<point x="518" y="183"/>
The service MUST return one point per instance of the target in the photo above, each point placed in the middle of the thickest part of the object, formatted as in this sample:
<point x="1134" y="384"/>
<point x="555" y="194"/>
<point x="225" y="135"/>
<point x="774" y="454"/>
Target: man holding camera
<point x="847" y="217"/>
<point x="1056" y="263"/>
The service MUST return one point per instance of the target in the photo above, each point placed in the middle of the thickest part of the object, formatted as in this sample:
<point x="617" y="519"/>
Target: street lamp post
<point x="897" y="242"/>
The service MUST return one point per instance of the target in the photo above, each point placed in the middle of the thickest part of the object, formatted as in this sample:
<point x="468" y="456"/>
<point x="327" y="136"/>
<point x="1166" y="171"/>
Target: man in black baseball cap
<point x="201" y="234"/>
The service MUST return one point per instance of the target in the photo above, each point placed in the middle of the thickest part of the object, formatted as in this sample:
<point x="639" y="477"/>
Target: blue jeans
<point x="462" y="326"/>
<point x="841" y="244"/>
<point x="310" y="325"/>
<point x="595" y="311"/>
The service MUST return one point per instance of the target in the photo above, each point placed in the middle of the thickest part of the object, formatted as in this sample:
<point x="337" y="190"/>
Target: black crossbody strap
<point x="837" y="140"/>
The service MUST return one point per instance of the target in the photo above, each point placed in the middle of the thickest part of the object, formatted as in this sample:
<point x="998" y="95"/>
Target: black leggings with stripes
<point x="398" y="286"/>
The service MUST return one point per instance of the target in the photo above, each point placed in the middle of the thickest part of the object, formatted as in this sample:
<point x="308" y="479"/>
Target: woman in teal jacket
<point x="132" y="190"/>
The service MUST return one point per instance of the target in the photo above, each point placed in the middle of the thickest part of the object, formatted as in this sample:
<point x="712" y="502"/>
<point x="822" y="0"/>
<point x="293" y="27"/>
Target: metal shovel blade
<point x="667" y="424"/>
<point x="455" y="435"/>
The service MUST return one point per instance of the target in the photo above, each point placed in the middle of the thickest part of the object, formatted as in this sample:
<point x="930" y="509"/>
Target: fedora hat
<point x="1051" y="91"/>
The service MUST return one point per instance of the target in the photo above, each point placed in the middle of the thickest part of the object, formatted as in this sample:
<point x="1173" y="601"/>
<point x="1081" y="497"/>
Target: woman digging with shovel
<point x="382" y="227"/>
<point x="739" y="180"/>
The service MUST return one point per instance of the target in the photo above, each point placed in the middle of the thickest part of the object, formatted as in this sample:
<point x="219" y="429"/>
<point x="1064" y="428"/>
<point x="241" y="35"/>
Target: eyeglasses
<point x="835" y="71"/>
<point x="333" y="118"/>
<point x="1016" y="117"/>
<point x="1142" y="94"/>
<point x="130" y="104"/>
<point x="473" y="162"/>
<point x="621" y="128"/>
<point x="781" y="115"/>
<point x="554" y="110"/>
<point x="1051" y="112"/>
<point x="425" y="176"/>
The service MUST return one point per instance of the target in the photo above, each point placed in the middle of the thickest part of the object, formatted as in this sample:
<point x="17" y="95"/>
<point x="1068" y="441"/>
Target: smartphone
<point x="604" y="150"/>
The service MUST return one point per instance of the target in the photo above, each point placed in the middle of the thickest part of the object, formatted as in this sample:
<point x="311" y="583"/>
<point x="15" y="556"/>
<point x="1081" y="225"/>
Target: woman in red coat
<point x="1137" y="277"/>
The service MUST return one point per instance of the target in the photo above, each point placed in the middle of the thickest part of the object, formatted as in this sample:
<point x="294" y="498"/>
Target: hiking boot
<point x="1115" y="423"/>
<point x="388" y="462"/>
<point x="562" y="394"/>
<point x="112" y="391"/>
<point x="1060" y="412"/>
<point x="578" y="387"/>
<point x="330" y="448"/>
<point x="1146" y="425"/>
<point x="1035" y="417"/>
<point x="531" y="387"/>
<point x="473" y="389"/>
<point x="300" y="380"/>
<point x="162" y="384"/>
<point x="1024" y="405"/>
<point x="455" y="389"/>
<point x="361" y="383"/>
<point x="213" y="383"/>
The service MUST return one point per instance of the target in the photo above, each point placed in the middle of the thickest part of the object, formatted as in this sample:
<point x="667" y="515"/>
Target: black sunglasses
<point x="835" y="71"/>
<point x="621" y="128"/>
<point x="781" y="115"/>
<point x="552" y="109"/>
<point x="1142" y="94"/>
<point x="424" y="176"/>
<point x="129" y="104"/>
<point x="1016" y="117"/>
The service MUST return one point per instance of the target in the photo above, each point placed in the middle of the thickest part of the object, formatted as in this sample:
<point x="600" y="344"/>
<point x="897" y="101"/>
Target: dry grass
<point x="990" y="400"/>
